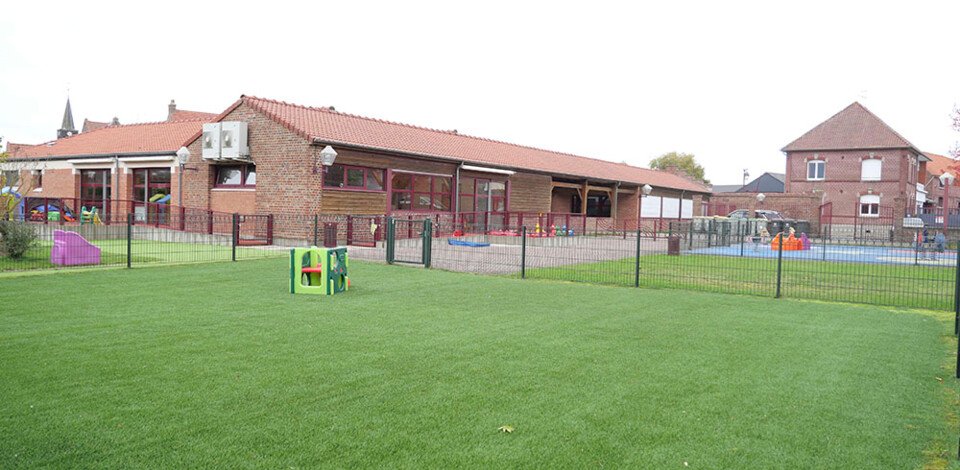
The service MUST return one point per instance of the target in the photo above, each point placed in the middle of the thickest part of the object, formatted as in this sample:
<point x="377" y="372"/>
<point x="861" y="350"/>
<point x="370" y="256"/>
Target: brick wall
<point x="843" y="185"/>
<point x="531" y="193"/>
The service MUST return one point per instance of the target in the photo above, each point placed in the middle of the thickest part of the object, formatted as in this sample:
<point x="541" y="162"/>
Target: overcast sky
<point x="730" y="82"/>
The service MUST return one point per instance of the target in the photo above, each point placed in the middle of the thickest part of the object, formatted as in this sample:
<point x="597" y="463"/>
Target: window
<point x="482" y="195"/>
<point x="353" y="177"/>
<point x="95" y="189"/>
<point x="425" y="193"/>
<point x="237" y="176"/>
<point x="870" y="206"/>
<point x="870" y="169"/>
<point x="597" y="206"/>
<point x="10" y="178"/>
<point x="151" y="184"/>
<point x="37" y="179"/>
<point x="816" y="170"/>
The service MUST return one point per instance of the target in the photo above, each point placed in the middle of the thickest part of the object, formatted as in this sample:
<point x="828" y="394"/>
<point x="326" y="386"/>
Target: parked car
<point x="776" y="222"/>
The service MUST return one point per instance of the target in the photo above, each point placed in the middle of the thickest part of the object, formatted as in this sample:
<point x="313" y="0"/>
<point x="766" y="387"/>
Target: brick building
<point x="863" y="171"/>
<point x="381" y="168"/>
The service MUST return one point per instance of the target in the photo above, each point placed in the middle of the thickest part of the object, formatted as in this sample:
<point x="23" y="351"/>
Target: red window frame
<point x="245" y="171"/>
<point x="364" y="185"/>
<point x="472" y="192"/>
<point x="434" y="194"/>
<point x="105" y="183"/>
<point x="143" y="189"/>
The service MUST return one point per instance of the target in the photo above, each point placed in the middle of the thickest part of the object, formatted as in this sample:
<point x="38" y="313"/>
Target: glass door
<point x="95" y="191"/>
<point x="151" y="195"/>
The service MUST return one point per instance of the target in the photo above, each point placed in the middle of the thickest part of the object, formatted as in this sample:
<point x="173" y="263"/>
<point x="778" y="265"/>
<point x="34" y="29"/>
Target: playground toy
<point x="321" y="271"/>
<point x="70" y="248"/>
<point x="792" y="243"/>
<point x="15" y="203"/>
<point x="90" y="216"/>
<point x="454" y="242"/>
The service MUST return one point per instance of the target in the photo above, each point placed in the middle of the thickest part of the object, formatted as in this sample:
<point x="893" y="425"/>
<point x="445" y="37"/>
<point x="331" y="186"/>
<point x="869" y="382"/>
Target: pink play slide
<point x="69" y="248"/>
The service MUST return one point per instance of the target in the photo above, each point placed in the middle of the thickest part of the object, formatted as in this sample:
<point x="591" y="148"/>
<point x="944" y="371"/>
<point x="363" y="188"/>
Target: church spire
<point x="67" y="128"/>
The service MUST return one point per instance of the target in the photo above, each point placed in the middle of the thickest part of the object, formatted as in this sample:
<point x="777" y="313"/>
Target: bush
<point x="16" y="238"/>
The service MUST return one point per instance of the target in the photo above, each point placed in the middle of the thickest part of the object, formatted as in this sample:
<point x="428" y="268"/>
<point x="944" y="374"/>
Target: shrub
<point x="16" y="238"/>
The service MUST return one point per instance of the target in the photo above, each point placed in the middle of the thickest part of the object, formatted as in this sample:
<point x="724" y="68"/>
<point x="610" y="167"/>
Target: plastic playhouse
<point x="70" y="248"/>
<point x="321" y="271"/>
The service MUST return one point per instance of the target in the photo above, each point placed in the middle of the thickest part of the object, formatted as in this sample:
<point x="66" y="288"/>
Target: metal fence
<point x="715" y="257"/>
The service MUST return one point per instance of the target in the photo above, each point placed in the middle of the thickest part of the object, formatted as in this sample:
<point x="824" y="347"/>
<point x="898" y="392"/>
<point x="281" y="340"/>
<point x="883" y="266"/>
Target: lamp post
<point x="182" y="156"/>
<point x="746" y="174"/>
<point x="644" y="192"/>
<point x="947" y="180"/>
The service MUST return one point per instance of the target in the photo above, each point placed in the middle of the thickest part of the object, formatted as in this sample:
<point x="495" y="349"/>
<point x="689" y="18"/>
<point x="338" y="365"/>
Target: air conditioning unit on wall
<point x="225" y="141"/>
<point x="210" y="141"/>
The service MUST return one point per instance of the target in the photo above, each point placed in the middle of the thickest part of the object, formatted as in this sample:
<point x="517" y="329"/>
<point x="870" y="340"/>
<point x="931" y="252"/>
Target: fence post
<point x="183" y="219"/>
<point x="234" y="233"/>
<point x="636" y="264"/>
<point x="779" y="264"/>
<point x="741" y="242"/>
<point x="270" y="229"/>
<point x="523" y="252"/>
<point x="427" y="241"/>
<point x="690" y="237"/>
<point x="129" y="243"/>
<point x="316" y="222"/>
<point x="956" y="302"/>
<point x="391" y="226"/>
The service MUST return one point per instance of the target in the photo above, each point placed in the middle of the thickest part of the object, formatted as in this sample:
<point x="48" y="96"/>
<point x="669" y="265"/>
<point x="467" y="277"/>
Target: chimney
<point x="115" y="121"/>
<point x="171" y="108"/>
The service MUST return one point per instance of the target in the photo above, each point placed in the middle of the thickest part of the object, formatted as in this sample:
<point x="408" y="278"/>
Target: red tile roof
<point x="854" y="127"/>
<point x="184" y="115"/>
<point x="89" y="125"/>
<point x="15" y="150"/>
<point x="329" y="126"/>
<point x="938" y="164"/>
<point x="156" y="137"/>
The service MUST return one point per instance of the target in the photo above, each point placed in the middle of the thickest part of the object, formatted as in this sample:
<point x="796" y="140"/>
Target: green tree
<point x="685" y="162"/>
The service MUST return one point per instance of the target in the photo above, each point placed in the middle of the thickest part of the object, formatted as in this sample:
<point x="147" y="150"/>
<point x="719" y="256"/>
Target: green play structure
<point x="320" y="271"/>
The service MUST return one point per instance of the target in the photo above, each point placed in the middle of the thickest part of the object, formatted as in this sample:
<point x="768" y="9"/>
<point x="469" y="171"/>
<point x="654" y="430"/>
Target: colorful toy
<point x="454" y="242"/>
<point x="70" y="248"/>
<point x="14" y="202"/>
<point x="804" y="241"/>
<point x="321" y="271"/>
<point x="792" y="243"/>
<point x="89" y="216"/>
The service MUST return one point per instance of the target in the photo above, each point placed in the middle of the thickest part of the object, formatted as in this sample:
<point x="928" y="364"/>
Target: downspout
<point x="456" y="192"/>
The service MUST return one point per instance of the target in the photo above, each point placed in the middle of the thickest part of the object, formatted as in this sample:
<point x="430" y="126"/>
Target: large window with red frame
<point x="356" y="178"/>
<point x="482" y="195"/>
<point x="236" y="176"/>
<point x="419" y="192"/>
<point x="95" y="190"/>
<point x="151" y="186"/>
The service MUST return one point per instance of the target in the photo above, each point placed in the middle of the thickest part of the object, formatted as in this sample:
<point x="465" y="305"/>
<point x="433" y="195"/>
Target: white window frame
<point x="870" y="202"/>
<point x="867" y="170"/>
<point x="823" y="166"/>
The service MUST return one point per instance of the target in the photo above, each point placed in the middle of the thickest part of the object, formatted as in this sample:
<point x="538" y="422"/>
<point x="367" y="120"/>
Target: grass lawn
<point x="928" y="287"/>
<point x="216" y="365"/>
<point x="114" y="253"/>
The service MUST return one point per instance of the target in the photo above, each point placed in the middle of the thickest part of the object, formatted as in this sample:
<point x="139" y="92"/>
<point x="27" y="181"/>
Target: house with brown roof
<point x="865" y="173"/>
<point x="381" y="168"/>
<point x="385" y="167"/>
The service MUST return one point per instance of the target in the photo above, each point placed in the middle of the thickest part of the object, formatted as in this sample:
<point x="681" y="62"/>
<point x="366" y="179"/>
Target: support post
<point x="234" y="235"/>
<point x="391" y="237"/>
<point x="316" y="228"/>
<point x="636" y="264"/>
<point x="129" y="242"/>
<point x="523" y="252"/>
<point x="427" y="242"/>
<point x="779" y="264"/>
<point x="956" y="299"/>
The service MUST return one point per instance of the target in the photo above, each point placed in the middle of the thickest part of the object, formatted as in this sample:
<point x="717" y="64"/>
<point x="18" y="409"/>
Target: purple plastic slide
<point x="69" y="248"/>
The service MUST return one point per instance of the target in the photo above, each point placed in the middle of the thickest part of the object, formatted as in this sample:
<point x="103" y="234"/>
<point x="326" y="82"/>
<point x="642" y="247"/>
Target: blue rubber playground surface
<point x="839" y="253"/>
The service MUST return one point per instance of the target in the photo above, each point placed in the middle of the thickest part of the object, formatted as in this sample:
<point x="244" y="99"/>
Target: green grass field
<point x="216" y="365"/>
<point x="929" y="287"/>
<point x="114" y="253"/>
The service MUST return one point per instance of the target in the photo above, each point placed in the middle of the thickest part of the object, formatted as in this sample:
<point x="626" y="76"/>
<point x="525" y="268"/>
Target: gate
<point x="409" y="241"/>
<point x="254" y="229"/>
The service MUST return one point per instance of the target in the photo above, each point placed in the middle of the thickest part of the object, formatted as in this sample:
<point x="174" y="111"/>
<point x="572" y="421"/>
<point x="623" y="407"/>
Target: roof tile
<point x="854" y="127"/>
